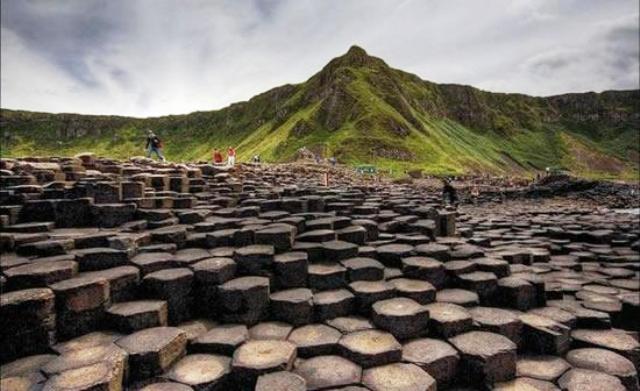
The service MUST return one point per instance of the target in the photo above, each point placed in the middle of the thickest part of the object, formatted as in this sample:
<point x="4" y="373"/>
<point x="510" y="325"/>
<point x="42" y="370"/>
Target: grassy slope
<point x="362" y="111"/>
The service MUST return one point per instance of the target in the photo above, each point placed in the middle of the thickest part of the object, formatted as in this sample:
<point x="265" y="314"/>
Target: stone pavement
<point x="143" y="276"/>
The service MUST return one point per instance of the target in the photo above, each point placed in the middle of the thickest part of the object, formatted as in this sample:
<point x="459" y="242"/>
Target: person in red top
<point x="231" y="156"/>
<point x="217" y="156"/>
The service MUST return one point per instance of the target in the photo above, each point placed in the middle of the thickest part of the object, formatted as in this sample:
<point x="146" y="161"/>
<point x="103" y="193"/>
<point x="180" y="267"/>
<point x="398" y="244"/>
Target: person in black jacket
<point x="449" y="192"/>
<point x="154" y="145"/>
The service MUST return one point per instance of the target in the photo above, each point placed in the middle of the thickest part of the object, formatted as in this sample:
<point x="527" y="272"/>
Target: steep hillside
<point x="362" y="111"/>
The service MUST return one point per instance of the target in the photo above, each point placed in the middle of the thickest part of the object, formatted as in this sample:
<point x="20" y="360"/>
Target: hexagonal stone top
<point x="399" y="306"/>
<point x="481" y="343"/>
<point x="371" y="341"/>
<point x="398" y="377"/>
<point x="196" y="369"/>
<point x="264" y="354"/>
<point x="427" y="350"/>
<point x="602" y="360"/>
<point x="328" y="371"/>
<point x="541" y="367"/>
<point x="150" y="340"/>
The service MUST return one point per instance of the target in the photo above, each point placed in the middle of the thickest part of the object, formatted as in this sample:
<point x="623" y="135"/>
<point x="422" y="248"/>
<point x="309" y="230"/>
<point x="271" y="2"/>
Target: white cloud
<point x="159" y="57"/>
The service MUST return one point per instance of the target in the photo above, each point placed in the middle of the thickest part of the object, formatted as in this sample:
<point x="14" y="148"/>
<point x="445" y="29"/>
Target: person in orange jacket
<point x="217" y="156"/>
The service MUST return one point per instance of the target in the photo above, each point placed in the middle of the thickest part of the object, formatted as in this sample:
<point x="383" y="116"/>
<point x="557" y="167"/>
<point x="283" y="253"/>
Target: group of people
<point x="218" y="158"/>
<point x="154" y="146"/>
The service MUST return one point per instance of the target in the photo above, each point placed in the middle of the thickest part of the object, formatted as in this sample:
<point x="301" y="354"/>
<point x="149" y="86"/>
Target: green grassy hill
<point x="360" y="110"/>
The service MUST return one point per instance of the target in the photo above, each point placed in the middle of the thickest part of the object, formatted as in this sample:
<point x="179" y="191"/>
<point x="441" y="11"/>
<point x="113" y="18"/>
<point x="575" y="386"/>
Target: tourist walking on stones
<point x="217" y="156"/>
<point x="449" y="192"/>
<point x="154" y="145"/>
<point x="231" y="156"/>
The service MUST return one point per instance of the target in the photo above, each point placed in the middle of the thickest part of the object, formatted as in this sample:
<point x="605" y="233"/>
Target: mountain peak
<point x="355" y="57"/>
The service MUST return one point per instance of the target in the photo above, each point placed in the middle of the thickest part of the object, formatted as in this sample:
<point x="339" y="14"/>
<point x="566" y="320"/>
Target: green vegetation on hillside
<point x="362" y="111"/>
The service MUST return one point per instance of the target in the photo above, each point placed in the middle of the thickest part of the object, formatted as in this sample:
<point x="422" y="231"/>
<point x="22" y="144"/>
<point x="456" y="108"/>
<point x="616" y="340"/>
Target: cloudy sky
<point x="155" y="57"/>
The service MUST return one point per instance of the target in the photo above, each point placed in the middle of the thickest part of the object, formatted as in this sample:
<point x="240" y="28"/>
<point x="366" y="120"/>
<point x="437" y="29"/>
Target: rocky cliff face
<point x="361" y="110"/>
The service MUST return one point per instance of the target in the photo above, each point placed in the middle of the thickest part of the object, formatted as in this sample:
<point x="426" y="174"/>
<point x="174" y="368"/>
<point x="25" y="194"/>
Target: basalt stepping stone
<point x="26" y="367"/>
<point x="313" y="250"/>
<point x="337" y="250"/>
<point x="324" y="276"/>
<point x="220" y="339"/>
<point x="166" y="386"/>
<point x="447" y="320"/>
<point x="45" y="248"/>
<point x="214" y="271"/>
<point x="433" y="250"/>
<point x="256" y="358"/>
<point x="154" y="261"/>
<point x="353" y="234"/>
<point x="176" y="234"/>
<point x="244" y="300"/>
<point x="202" y="372"/>
<point x="80" y="358"/>
<point x="350" y="324"/>
<point x="91" y="259"/>
<point x="585" y="318"/>
<point x="326" y="372"/>
<point x="424" y="268"/>
<point x="175" y="287"/>
<point x="398" y="377"/>
<point x="270" y="330"/>
<point x="485" y="357"/>
<point x="516" y="293"/>
<point x="368" y="292"/>
<point x="543" y="335"/>
<point x="603" y="360"/>
<point x="484" y="284"/>
<point x="369" y="348"/>
<point x="195" y="328"/>
<point x="128" y="317"/>
<point x="460" y="297"/>
<point x="402" y="317"/>
<point x="548" y="368"/>
<point x="39" y="274"/>
<point x="282" y="380"/>
<point x="436" y="357"/>
<point x="152" y="351"/>
<point x="578" y="379"/>
<point x="525" y="383"/>
<point x="189" y="256"/>
<point x="317" y="236"/>
<point x="499" y="321"/>
<point x="315" y="339"/>
<point x="98" y="376"/>
<point x="420" y="291"/>
<point x="124" y="282"/>
<point x="363" y="269"/>
<point x="391" y="254"/>
<point x="87" y="341"/>
<point x="22" y="383"/>
<point x="615" y="340"/>
<point x="496" y="266"/>
<point x="81" y="303"/>
<point x="557" y="314"/>
<point x="294" y="306"/>
<point x="254" y="259"/>
<point x="279" y="236"/>
<point x="291" y="269"/>
<point x="332" y="304"/>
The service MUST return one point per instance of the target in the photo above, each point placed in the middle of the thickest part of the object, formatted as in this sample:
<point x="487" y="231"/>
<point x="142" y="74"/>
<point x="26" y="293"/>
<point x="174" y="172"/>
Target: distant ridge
<point x="360" y="110"/>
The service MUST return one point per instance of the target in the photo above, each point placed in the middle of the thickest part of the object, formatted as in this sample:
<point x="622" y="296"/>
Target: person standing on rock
<point x="217" y="156"/>
<point x="154" y="145"/>
<point x="231" y="156"/>
<point x="449" y="192"/>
